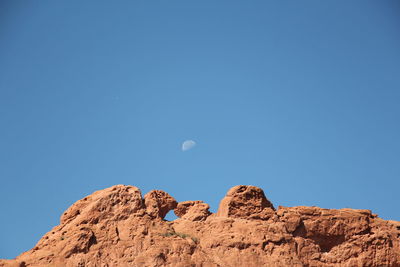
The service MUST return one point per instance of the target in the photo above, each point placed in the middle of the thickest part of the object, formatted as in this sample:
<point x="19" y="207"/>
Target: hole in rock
<point x="170" y="216"/>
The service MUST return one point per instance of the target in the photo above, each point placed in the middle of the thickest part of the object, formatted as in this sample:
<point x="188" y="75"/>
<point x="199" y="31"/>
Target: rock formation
<point x="117" y="227"/>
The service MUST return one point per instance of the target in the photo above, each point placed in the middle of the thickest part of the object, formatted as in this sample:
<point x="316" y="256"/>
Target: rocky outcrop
<point x="117" y="227"/>
<point x="246" y="202"/>
<point x="192" y="210"/>
<point x="158" y="203"/>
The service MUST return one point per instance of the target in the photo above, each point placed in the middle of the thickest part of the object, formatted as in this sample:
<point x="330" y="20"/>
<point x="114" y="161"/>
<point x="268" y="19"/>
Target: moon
<point x="188" y="144"/>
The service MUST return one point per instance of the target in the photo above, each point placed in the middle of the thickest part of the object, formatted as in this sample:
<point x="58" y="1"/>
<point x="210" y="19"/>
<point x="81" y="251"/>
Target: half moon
<point x="188" y="144"/>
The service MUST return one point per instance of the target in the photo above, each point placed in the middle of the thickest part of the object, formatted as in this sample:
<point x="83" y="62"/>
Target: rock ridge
<point x="116" y="226"/>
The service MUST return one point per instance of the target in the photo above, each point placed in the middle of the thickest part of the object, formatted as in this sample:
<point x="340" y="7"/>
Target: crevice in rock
<point x="277" y="243"/>
<point x="117" y="232"/>
<point x="92" y="241"/>
<point x="365" y="232"/>
<point x="240" y="245"/>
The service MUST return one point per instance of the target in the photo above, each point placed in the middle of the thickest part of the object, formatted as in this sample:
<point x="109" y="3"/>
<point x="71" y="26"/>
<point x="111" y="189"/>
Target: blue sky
<point x="300" y="98"/>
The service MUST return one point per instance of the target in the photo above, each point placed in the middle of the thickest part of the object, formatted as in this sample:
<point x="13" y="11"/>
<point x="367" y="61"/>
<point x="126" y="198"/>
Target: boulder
<point x="158" y="203"/>
<point x="192" y="210"/>
<point x="246" y="201"/>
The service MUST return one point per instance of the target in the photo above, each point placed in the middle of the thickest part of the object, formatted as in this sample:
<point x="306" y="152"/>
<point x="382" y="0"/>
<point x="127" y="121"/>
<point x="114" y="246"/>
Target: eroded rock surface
<point x="158" y="203"/>
<point x="192" y="210"/>
<point x="117" y="227"/>
<point x="245" y="201"/>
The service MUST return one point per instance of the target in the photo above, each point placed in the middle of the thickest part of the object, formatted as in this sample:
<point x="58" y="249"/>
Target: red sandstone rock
<point x="116" y="227"/>
<point x="159" y="203"/>
<point x="245" y="201"/>
<point x="192" y="210"/>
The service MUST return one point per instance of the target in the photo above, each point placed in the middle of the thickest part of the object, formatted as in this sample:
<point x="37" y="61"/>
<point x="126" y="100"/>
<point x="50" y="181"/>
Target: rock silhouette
<point x="118" y="227"/>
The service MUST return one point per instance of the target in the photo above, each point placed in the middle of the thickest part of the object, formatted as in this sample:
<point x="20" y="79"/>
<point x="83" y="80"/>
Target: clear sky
<point x="300" y="98"/>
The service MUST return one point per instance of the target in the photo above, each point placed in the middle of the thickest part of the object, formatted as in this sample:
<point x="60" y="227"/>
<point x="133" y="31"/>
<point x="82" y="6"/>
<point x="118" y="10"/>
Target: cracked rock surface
<point x="118" y="227"/>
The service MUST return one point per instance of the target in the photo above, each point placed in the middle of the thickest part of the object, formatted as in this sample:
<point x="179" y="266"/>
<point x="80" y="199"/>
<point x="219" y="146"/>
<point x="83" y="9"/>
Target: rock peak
<point x="246" y="201"/>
